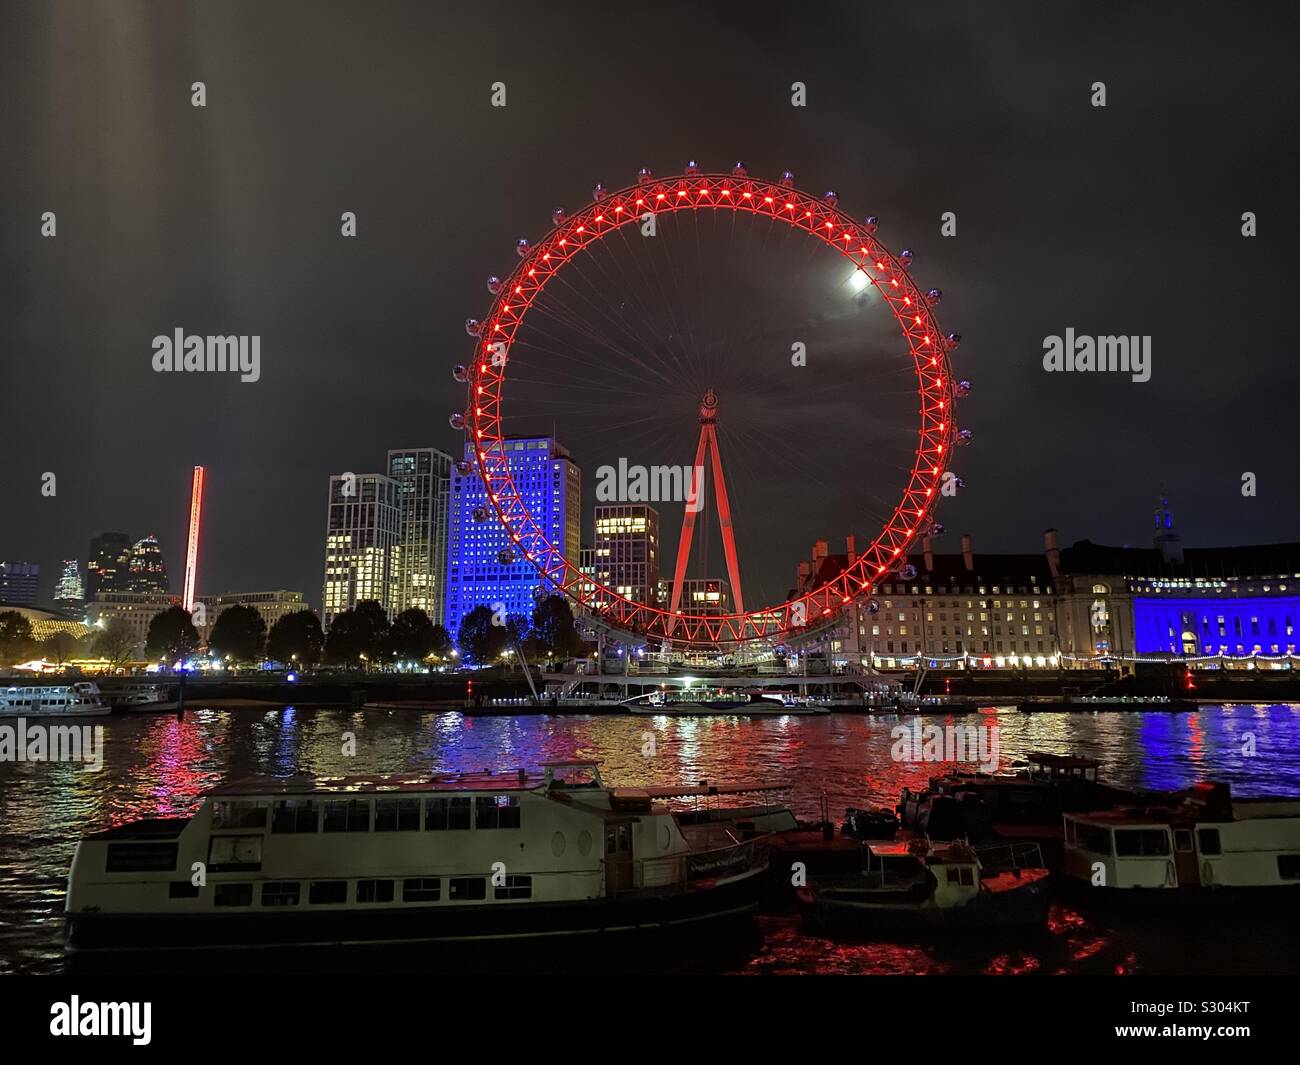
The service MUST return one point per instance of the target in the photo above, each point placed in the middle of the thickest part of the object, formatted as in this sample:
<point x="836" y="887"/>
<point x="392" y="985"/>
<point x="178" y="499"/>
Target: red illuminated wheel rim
<point x="820" y="218"/>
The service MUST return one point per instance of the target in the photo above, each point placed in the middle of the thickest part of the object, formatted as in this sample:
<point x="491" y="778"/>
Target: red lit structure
<point x="192" y="542"/>
<point x="822" y="219"/>
<point x="709" y="442"/>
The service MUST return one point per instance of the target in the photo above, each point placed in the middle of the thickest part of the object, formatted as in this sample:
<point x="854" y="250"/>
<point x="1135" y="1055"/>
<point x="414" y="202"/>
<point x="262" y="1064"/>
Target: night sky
<point x="226" y="220"/>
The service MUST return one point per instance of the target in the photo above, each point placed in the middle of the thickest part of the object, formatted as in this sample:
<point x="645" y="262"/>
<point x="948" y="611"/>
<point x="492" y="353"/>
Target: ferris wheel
<point x="639" y="326"/>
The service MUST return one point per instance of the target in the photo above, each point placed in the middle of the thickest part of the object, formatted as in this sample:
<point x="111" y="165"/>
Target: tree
<point x="481" y="641"/>
<point x="172" y="635"/>
<point x="344" y="645"/>
<point x="116" y="642"/>
<point x="16" y="643"/>
<point x="373" y="629"/>
<point x="554" y="634"/>
<point x="59" y="647"/>
<point x="412" y="636"/>
<point x="239" y="634"/>
<point x="296" y="636"/>
<point x="442" y="645"/>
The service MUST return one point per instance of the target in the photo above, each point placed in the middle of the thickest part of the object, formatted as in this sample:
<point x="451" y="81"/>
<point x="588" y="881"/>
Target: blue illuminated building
<point x="478" y="574"/>
<point x="1231" y="623"/>
<point x="1115" y="604"/>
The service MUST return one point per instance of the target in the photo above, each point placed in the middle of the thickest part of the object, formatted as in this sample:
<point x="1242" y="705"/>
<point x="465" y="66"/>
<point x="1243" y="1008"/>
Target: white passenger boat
<point x="407" y="859"/>
<point x="78" y="699"/>
<point x="1209" y="841"/>
<point x="686" y="703"/>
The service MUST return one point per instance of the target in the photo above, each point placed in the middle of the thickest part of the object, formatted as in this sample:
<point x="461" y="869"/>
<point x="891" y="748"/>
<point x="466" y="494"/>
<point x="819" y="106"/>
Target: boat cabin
<point x="1210" y="840"/>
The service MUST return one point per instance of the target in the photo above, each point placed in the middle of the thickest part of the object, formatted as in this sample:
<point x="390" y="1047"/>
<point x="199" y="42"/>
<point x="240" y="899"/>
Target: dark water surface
<point x="156" y="766"/>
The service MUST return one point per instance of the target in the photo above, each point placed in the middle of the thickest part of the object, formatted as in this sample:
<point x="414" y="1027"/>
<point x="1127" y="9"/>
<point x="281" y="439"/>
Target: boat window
<point x="140" y="857"/>
<point x="232" y="895"/>
<point x="182" y="889"/>
<point x="234" y="854"/>
<point x="347" y="815"/>
<point x="421" y="889"/>
<point x="1183" y="839"/>
<point x="447" y="813"/>
<point x="953" y="878"/>
<point x="327" y="891"/>
<point x="397" y="815"/>
<point x="516" y="887"/>
<point x="618" y="839"/>
<point x="496" y="811"/>
<point x="1092" y="838"/>
<point x="294" y="815"/>
<point x="467" y="887"/>
<point x="1141" y="842"/>
<point x="374" y="891"/>
<point x="967" y="876"/>
<point x="1288" y="866"/>
<point x="281" y="893"/>
<point x="239" y="815"/>
<point x="1207" y="840"/>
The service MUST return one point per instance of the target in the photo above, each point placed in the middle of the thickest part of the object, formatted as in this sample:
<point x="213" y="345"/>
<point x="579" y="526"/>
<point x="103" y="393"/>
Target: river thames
<point x="157" y="766"/>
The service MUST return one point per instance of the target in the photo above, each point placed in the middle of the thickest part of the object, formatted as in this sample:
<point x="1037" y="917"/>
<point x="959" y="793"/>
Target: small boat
<point x="1209" y="846"/>
<point x="870" y="824"/>
<point x="80" y="698"/>
<point x="411" y="859"/>
<point x="974" y="805"/>
<point x="922" y="883"/>
<point x="141" y="698"/>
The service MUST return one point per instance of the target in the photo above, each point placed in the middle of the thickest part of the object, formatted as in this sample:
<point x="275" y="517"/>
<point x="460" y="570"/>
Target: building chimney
<point x="968" y="559"/>
<point x="851" y="543"/>
<point x="820" y="550"/>
<point x="928" y="547"/>
<point x="1053" y="553"/>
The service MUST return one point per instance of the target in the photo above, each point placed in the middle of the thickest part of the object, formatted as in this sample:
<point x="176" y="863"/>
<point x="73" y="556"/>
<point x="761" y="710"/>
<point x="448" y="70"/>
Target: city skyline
<point x="1049" y="195"/>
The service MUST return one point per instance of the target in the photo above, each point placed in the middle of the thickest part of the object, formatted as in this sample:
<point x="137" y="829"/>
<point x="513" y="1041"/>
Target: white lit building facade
<point x="362" y="543"/>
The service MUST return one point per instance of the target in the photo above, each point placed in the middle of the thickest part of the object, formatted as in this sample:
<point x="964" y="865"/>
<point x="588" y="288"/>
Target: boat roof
<point x="1061" y="761"/>
<point x="379" y="784"/>
<point x="702" y="789"/>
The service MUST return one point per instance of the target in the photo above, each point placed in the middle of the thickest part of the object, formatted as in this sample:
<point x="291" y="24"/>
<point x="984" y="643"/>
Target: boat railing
<point x="686" y="868"/>
<point x="1017" y="855"/>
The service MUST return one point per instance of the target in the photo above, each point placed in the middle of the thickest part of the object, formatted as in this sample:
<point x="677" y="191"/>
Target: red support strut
<point x="709" y="441"/>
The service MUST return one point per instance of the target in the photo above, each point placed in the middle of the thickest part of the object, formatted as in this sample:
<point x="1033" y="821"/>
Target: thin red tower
<point x="192" y="544"/>
<point x="709" y="440"/>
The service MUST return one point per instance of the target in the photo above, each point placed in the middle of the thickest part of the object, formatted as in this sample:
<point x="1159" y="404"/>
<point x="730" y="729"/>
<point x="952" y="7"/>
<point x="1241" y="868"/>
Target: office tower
<point x="423" y="479"/>
<point x="109" y="564"/>
<point x="18" y="583"/>
<point x="626" y="551"/>
<point x="147" y="572"/>
<point x="483" y="568"/>
<point x="361" y="542"/>
<point x="70" y="591"/>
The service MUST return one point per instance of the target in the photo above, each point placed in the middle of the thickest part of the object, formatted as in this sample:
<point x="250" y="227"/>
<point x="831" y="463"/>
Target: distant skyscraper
<point x="361" y="542"/>
<point x="483" y="567"/>
<point x="109" y="565"/>
<point x="147" y="571"/>
<point x="19" y="583"/>
<point x="626" y="553"/>
<point x="70" y="592"/>
<point x="423" y="479"/>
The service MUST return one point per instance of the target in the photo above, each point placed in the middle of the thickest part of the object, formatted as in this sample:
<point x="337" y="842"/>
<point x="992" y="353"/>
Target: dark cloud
<point x="225" y="220"/>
